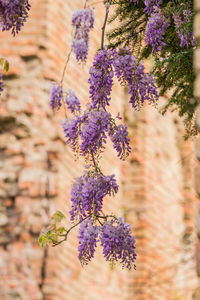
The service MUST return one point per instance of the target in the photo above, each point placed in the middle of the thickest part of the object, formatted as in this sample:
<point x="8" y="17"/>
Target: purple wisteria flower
<point x="83" y="21"/>
<point x="13" y="14"/>
<point x="1" y="84"/>
<point x="87" y="134"/>
<point x="72" y="101"/>
<point x="124" y="65"/>
<point x="120" y="140"/>
<point x="101" y="78"/>
<point x="71" y="130"/>
<point x="88" y="234"/>
<point x="118" y="243"/>
<point x="93" y="132"/>
<point x="156" y="29"/>
<point x="141" y="85"/>
<point x="180" y="21"/>
<point x="87" y="194"/>
<point x="56" y="95"/>
<point x="145" y="85"/>
<point x="150" y="4"/>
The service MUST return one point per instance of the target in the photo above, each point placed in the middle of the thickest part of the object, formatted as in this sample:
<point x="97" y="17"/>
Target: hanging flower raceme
<point x="181" y="21"/>
<point x="93" y="132"/>
<point x="13" y="14"/>
<point x="87" y="134"/>
<point x="72" y="102"/>
<point x="88" y="234"/>
<point x="87" y="194"/>
<point x="115" y="238"/>
<point x="118" y="243"/>
<point x="156" y="29"/>
<point x="56" y="95"/>
<point x="150" y="4"/>
<point x="83" y="21"/>
<point x="101" y="79"/>
<point x="107" y="62"/>
<point x="120" y="140"/>
<point x="141" y="85"/>
<point x="71" y="130"/>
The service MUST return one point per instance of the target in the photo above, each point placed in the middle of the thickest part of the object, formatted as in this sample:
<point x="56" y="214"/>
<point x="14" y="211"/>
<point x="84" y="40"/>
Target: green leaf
<point x="4" y="64"/>
<point x="2" y="61"/>
<point x="49" y="233"/>
<point x="61" y="230"/>
<point x="58" y="216"/>
<point x="43" y="241"/>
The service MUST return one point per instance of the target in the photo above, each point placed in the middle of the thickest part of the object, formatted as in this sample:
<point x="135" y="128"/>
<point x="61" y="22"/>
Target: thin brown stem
<point x="85" y="4"/>
<point x="93" y="160"/>
<point x="107" y="216"/>
<point x="68" y="57"/>
<point x="96" y="2"/>
<point x="104" y="25"/>
<point x="68" y="231"/>
<point x="65" y="66"/>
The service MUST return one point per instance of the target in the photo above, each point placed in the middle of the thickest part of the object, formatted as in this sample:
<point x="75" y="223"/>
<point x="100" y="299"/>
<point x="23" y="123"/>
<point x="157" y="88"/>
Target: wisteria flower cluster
<point x="83" y="21"/>
<point x="87" y="134"/>
<point x="73" y="103"/>
<point x="88" y="234"/>
<point x="159" y="20"/>
<point x="141" y="85"/>
<point x="117" y="242"/>
<point x="156" y="29"/>
<point x="56" y="95"/>
<point x="150" y="5"/>
<point x="88" y="192"/>
<point x="123" y="64"/>
<point x="86" y="131"/>
<point x="13" y="14"/>
<point x="181" y="20"/>
<point x="115" y="238"/>
<point x="101" y="78"/>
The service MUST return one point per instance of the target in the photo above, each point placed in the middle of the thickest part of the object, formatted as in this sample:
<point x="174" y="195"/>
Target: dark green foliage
<point x="173" y="66"/>
<point x="130" y="31"/>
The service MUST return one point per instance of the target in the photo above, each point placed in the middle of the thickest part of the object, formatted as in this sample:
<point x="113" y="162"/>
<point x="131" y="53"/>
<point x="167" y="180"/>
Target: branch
<point x="65" y="67"/>
<point x="69" y="55"/>
<point x="68" y="231"/>
<point x="107" y="4"/>
<point x="94" y="3"/>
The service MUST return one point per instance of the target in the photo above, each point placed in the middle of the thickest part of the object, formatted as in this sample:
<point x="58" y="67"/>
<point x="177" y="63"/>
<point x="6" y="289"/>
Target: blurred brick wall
<point x="197" y="144"/>
<point x="37" y="168"/>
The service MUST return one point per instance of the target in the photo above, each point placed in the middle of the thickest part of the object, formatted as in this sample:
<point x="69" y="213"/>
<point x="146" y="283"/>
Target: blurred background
<point x="159" y="182"/>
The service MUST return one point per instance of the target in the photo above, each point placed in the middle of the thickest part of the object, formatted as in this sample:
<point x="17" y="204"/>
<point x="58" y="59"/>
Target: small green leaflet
<point x="58" y="216"/>
<point x="4" y="64"/>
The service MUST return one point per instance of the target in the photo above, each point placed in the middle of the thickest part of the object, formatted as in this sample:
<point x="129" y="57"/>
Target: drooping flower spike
<point x="13" y="14"/>
<point x="83" y="21"/>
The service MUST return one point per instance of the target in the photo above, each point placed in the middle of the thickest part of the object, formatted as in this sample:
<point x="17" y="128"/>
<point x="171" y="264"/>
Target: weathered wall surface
<point x="162" y="207"/>
<point x="197" y="144"/>
<point x="37" y="168"/>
